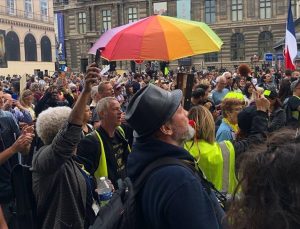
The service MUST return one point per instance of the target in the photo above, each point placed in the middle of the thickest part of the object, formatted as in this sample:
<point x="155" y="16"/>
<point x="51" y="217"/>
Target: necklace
<point x="234" y="127"/>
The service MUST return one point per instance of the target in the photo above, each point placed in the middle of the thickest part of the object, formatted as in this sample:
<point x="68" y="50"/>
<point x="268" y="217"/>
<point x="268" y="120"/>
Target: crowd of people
<point x="239" y="128"/>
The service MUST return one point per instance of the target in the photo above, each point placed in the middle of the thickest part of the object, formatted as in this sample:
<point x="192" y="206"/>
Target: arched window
<point x="237" y="47"/>
<point x="46" y="54"/>
<point x="265" y="43"/>
<point x="12" y="46"/>
<point x="30" y="48"/>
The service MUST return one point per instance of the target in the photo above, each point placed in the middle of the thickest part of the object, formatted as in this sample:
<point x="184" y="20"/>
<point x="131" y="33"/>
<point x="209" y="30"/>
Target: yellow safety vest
<point x="102" y="165"/>
<point x="296" y="113"/>
<point x="217" y="162"/>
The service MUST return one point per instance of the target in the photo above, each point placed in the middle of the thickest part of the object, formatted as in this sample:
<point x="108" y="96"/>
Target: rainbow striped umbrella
<point x="157" y="38"/>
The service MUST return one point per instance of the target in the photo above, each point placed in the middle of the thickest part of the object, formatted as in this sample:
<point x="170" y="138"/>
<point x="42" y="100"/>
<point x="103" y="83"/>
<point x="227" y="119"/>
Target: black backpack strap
<point x="190" y="165"/>
<point x="165" y="161"/>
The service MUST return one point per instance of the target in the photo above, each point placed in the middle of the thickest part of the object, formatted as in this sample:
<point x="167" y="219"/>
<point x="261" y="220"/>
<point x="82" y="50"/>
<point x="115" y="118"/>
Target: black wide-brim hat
<point x="150" y="108"/>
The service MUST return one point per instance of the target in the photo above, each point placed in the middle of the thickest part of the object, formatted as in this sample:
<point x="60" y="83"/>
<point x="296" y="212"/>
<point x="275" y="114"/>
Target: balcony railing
<point x="27" y="15"/>
<point x="61" y="1"/>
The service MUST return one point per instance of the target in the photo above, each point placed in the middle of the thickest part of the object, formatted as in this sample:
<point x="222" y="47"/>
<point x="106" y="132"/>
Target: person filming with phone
<point x="51" y="99"/>
<point x="20" y="114"/>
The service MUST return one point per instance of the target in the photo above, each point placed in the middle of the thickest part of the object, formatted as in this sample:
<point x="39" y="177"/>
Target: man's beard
<point x="190" y="133"/>
<point x="180" y="138"/>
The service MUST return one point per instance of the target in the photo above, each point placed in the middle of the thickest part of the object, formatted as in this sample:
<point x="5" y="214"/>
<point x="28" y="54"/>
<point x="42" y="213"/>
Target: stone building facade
<point x="249" y="29"/>
<point x="29" y="38"/>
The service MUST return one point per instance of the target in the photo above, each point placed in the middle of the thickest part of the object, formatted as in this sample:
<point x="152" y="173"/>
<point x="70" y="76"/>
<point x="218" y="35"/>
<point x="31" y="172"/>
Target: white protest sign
<point x="105" y="69"/>
<point x="22" y="84"/>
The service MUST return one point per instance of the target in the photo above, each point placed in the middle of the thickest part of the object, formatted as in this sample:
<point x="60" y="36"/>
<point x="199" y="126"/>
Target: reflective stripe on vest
<point x="102" y="165"/>
<point x="216" y="163"/>
<point x="295" y="114"/>
<point x="226" y="166"/>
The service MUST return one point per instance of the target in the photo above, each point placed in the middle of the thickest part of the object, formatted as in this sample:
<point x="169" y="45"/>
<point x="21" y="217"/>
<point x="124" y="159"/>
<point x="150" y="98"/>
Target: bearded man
<point x="173" y="196"/>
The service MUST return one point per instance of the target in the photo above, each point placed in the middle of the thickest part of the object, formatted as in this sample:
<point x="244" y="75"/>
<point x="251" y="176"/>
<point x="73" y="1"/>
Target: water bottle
<point x="104" y="190"/>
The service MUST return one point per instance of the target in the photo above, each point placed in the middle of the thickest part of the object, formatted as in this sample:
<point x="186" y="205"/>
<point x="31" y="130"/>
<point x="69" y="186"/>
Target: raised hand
<point x="91" y="77"/>
<point x="262" y="104"/>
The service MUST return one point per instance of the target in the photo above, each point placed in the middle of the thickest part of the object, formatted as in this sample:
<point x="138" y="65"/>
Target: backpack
<point x="122" y="211"/>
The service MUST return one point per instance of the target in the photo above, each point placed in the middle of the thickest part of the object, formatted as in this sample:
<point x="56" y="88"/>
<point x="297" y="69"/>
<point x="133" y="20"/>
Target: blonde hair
<point x="25" y="93"/>
<point x="204" y="81"/>
<point x="260" y="90"/>
<point x="205" y="124"/>
<point x="228" y="105"/>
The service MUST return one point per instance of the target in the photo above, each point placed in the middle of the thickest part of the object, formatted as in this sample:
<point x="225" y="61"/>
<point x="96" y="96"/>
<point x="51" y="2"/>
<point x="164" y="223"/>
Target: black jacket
<point x="58" y="185"/>
<point x="172" y="197"/>
<point x="88" y="153"/>
<point x="277" y="119"/>
<point x="46" y="102"/>
<point x="256" y="135"/>
<point x="9" y="130"/>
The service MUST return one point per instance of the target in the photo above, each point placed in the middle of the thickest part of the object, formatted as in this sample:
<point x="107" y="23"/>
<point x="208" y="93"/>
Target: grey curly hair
<point x="50" y="121"/>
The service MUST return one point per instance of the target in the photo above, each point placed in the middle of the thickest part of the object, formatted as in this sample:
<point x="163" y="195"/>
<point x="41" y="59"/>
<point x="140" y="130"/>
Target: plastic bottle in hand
<point x="104" y="190"/>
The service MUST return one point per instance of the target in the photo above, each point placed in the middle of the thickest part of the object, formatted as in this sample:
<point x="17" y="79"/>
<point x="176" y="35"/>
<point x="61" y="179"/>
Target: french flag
<point x="290" y="50"/>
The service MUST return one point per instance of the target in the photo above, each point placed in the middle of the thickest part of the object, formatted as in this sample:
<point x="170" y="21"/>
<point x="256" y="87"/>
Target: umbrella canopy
<point x="157" y="38"/>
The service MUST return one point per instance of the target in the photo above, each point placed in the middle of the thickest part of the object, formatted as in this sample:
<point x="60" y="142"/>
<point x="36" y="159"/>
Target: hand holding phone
<point x="93" y="73"/>
<point x="98" y="57"/>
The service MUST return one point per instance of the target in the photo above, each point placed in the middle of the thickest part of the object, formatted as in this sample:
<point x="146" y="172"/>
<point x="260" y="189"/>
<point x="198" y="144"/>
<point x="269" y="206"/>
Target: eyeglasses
<point x="237" y="109"/>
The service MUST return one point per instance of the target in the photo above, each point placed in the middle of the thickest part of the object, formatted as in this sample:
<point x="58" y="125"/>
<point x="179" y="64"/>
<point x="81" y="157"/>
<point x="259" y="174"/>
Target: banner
<point x="184" y="9"/>
<point x="60" y="39"/>
<point x="3" y="62"/>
